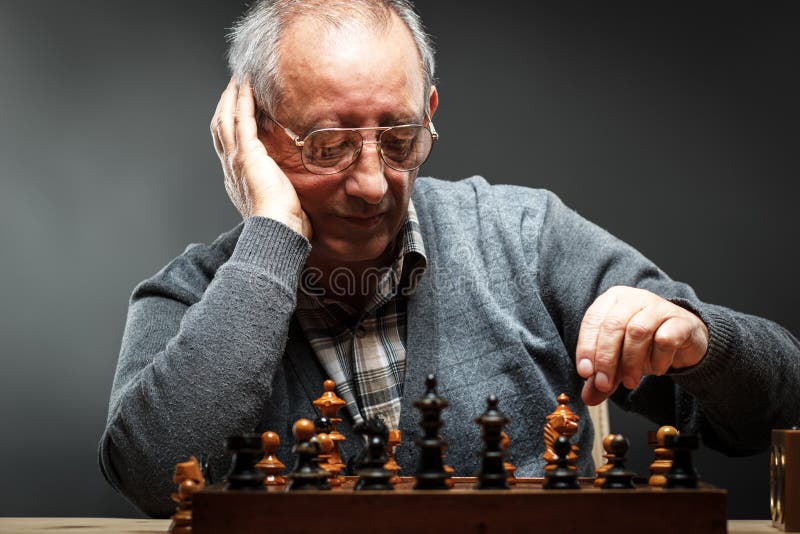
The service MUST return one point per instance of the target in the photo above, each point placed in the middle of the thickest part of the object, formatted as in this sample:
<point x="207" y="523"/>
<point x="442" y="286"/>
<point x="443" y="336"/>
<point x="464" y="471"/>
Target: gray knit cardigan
<point x="211" y="347"/>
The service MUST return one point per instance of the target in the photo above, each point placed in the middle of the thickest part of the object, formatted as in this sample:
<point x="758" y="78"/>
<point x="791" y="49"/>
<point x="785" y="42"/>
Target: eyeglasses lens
<point x="330" y="151"/>
<point x="403" y="148"/>
<point x="406" y="147"/>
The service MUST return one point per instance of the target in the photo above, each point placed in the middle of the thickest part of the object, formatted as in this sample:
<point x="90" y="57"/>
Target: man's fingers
<point x="244" y="119"/>
<point x="218" y="109"/>
<point x="628" y="333"/>
<point x="223" y="124"/>
<point x="587" y="336"/>
<point x="589" y="394"/>
<point x="673" y="334"/>
<point x="637" y="348"/>
<point x="610" y="338"/>
<point x="593" y="396"/>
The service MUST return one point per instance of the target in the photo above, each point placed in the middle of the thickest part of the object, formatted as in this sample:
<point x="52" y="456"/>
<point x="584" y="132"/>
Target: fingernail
<point x="602" y="382"/>
<point x="629" y="382"/>
<point x="585" y="367"/>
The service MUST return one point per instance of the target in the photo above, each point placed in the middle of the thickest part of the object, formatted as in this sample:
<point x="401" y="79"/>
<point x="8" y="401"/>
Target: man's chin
<point x="338" y="253"/>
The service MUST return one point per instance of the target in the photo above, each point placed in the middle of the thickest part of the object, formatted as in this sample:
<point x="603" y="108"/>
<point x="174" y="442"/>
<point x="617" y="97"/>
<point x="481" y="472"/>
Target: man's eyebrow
<point x="301" y="127"/>
<point x="394" y="120"/>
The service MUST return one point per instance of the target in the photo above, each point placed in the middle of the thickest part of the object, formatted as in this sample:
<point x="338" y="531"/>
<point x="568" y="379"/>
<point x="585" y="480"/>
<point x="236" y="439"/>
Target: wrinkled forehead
<point x="338" y="60"/>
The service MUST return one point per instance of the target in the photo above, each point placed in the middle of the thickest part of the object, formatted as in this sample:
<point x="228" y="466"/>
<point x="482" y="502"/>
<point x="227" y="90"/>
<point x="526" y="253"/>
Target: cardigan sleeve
<point x="749" y="380"/>
<point x="199" y="352"/>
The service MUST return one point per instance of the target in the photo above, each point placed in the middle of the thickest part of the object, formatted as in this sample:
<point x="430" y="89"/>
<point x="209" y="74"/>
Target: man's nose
<point x="366" y="180"/>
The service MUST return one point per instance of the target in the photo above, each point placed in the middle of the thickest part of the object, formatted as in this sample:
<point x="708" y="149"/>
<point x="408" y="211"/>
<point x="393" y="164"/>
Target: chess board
<point x="525" y="507"/>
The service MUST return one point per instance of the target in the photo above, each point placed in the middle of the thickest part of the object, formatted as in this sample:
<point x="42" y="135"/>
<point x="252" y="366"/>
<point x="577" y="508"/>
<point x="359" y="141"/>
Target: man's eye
<point x="397" y="147"/>
<point x="398" y="142"/>
<point x="329" y="152"/>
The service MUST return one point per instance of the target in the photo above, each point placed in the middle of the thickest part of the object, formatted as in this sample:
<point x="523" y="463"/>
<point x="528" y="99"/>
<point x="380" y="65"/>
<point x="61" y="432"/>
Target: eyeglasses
<point x="331" y="150"/>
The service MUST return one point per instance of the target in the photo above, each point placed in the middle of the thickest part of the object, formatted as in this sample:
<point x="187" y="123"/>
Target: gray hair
<point x="255" y="37"/>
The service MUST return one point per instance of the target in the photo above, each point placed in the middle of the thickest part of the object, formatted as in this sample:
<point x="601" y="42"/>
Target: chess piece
<point x="609" y="456"/>
<point x="307" y="474"/>
<point x="329" y="405"/>
<point x="325" y="444"/>
<point x="323" y="428"/>
<point x="269" y="464"/>
<point x="430" y="469"/>
<point x="561" y="477"/>
<point x="447" y="469"/>
<point x="682" y="473"/>
<point x="510" y="469"/>
<point x="663" y="457"/>
<point x="372" y="475"/>
<point x="617" y="477"/>
<point x="561" y="422"/>
<point x="246" y="451"/>
<point x="449" y="482"/>
<point x="492" y="473"/>
<point x="391" y="464"/>
<point x="189" y="478"/>
<point x="205" y="468"/>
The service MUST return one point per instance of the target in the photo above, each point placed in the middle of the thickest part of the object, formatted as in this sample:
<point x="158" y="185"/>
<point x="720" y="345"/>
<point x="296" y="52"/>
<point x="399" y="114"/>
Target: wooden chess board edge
<point x="519" y="509"/>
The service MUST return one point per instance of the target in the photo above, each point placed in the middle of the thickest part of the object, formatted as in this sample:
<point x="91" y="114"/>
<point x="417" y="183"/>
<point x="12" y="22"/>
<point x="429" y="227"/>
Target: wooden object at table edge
<point x="785" y="480"/>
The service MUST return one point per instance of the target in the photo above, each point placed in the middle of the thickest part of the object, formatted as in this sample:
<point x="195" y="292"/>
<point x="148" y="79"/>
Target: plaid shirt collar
<point x="410" y="261"/>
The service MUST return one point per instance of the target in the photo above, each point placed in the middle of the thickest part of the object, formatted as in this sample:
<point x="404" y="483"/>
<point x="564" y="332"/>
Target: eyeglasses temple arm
<point x="432" y="127"/>
<point x="293" y="136"/>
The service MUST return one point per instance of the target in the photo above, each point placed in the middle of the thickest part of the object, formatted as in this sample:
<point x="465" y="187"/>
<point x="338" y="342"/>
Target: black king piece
<point x="430" y="470"/>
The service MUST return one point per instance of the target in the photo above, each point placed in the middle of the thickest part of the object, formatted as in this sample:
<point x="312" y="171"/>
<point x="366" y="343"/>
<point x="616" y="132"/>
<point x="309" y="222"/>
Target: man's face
<point x="351" y="78"/>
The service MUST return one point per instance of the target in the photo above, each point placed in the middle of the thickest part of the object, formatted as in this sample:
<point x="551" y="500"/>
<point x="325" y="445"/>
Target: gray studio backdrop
<point x="672" y="125"/>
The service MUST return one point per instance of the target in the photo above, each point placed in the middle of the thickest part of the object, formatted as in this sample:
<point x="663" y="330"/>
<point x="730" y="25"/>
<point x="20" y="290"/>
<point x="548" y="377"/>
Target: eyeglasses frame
<point x="300" y="142"/>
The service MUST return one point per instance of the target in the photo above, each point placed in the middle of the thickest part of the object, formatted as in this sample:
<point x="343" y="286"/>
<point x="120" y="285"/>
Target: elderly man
<point x="348" y="267"/>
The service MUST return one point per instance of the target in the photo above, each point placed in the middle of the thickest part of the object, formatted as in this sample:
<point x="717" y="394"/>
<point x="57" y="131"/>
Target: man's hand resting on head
<point x="628" y="333"/>
<point x="254" y="182"/>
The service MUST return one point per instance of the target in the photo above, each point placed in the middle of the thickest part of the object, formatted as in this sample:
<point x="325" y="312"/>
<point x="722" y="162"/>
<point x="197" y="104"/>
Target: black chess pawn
<point x="307" y="474"/>
<point x="682" y="474"/>
<point x="562" y="476"/>
<point x="372" y="475"/>
<point x="430" y="469"/>
<point x="323" y="425"/>
<point x="243" y="475"/>
<point x="492" y="473"/>
<point x="617" y="477"/>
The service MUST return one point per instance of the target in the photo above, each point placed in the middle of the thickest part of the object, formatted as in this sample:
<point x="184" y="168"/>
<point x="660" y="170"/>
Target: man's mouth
<point x="364" y="222"/>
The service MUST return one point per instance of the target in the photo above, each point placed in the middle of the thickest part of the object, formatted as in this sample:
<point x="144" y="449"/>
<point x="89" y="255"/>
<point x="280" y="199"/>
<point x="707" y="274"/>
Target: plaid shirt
<point x="365" y="353"/>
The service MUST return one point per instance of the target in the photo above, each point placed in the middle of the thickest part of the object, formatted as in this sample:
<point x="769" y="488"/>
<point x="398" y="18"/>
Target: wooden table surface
<point x="82" y="525"/>
<point x="89" y="525"/>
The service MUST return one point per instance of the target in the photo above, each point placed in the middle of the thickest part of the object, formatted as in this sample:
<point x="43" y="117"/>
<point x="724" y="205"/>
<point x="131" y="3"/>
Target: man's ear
<point x="433" y="101"/>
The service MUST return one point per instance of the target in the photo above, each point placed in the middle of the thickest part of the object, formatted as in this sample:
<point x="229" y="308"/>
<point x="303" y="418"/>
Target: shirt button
<point x="361" y="331"/>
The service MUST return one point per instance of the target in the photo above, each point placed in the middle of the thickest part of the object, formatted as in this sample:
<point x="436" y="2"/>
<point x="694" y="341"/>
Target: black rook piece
<point x="492" y="474"/>
<point x="430" y="470"/>
<point x="246" y="451"/>
<point x="371" y="473"/>
<point x="562" y="477"/>
<point x="618" y="477"/>
<point x="682" y="473"/>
